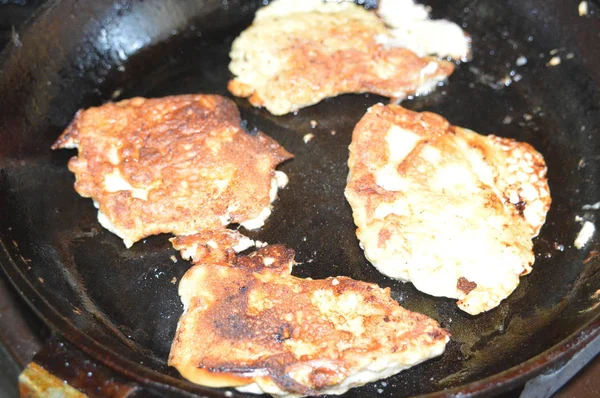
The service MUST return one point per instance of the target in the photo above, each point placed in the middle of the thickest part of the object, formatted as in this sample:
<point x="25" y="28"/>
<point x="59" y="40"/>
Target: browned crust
<point x="315" y="66"/>
<point x="369" y="149"/>
<point x="187" y="153"/>
<point x="465" y="285"/>
<point x="506" y="182"/>
<point x="373" y="151"/>
<point x="242" y="323"/>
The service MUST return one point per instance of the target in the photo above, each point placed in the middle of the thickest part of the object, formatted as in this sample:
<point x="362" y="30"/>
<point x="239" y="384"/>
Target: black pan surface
<point x="122" y="306"/>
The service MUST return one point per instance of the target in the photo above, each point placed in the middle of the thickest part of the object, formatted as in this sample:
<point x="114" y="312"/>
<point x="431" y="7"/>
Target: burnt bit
<point x="437" y="334"/>
<point x="465" y="285"/>
<point x="520" y="206"/>
<point x="287" y="383"/>
<point x="229" y="368"/>
<point x="283" y="333"/>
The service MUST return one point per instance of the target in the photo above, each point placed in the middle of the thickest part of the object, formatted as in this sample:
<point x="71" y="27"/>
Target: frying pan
<point x="121" y="306"/>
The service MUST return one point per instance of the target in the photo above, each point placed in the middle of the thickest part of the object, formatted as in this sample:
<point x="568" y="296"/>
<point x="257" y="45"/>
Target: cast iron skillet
<point x="121" y="306"/>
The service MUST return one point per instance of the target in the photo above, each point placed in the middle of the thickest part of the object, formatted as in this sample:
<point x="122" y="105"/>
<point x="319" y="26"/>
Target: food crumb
<point x="583" y="8"/>
<point x="595" y="206"/>
<point x="260" y="244"/>
<point x="584" y="236"/>
<point x="14" y="36"/>
<point x="41" y="280"/>
<point x="554" y="61"/>
<point x="521" y="61"/>
<point x="174" y="280"/>
<point x="333" y="132"/>
<point x="173" y="258"/>
<point x="570" y="56"/>
<point x="313" y="123"/>
<point x="308" y="137"/>
<point x="116" y="93"/>
<point x="507" y="119"/>
<point x="527" y="116"/>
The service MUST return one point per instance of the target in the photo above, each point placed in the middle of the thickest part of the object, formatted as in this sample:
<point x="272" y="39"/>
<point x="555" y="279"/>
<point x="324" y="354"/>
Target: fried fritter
<point x="441" y="206"/>
<point x="249" y="324"/>
<point x="298" y="52"/>
<point x="179" y="164"/>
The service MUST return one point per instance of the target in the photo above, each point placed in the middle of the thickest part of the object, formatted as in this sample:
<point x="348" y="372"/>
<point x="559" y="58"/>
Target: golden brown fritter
<point x="178" y="164"/>
<point x="296" y="53"/>
<point x="249" y="324"/>
<point x="450" y="210"/>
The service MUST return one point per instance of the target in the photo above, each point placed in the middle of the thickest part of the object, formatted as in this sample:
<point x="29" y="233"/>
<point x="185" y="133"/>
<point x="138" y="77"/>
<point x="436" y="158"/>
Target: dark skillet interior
<point x="122" y="305"/>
